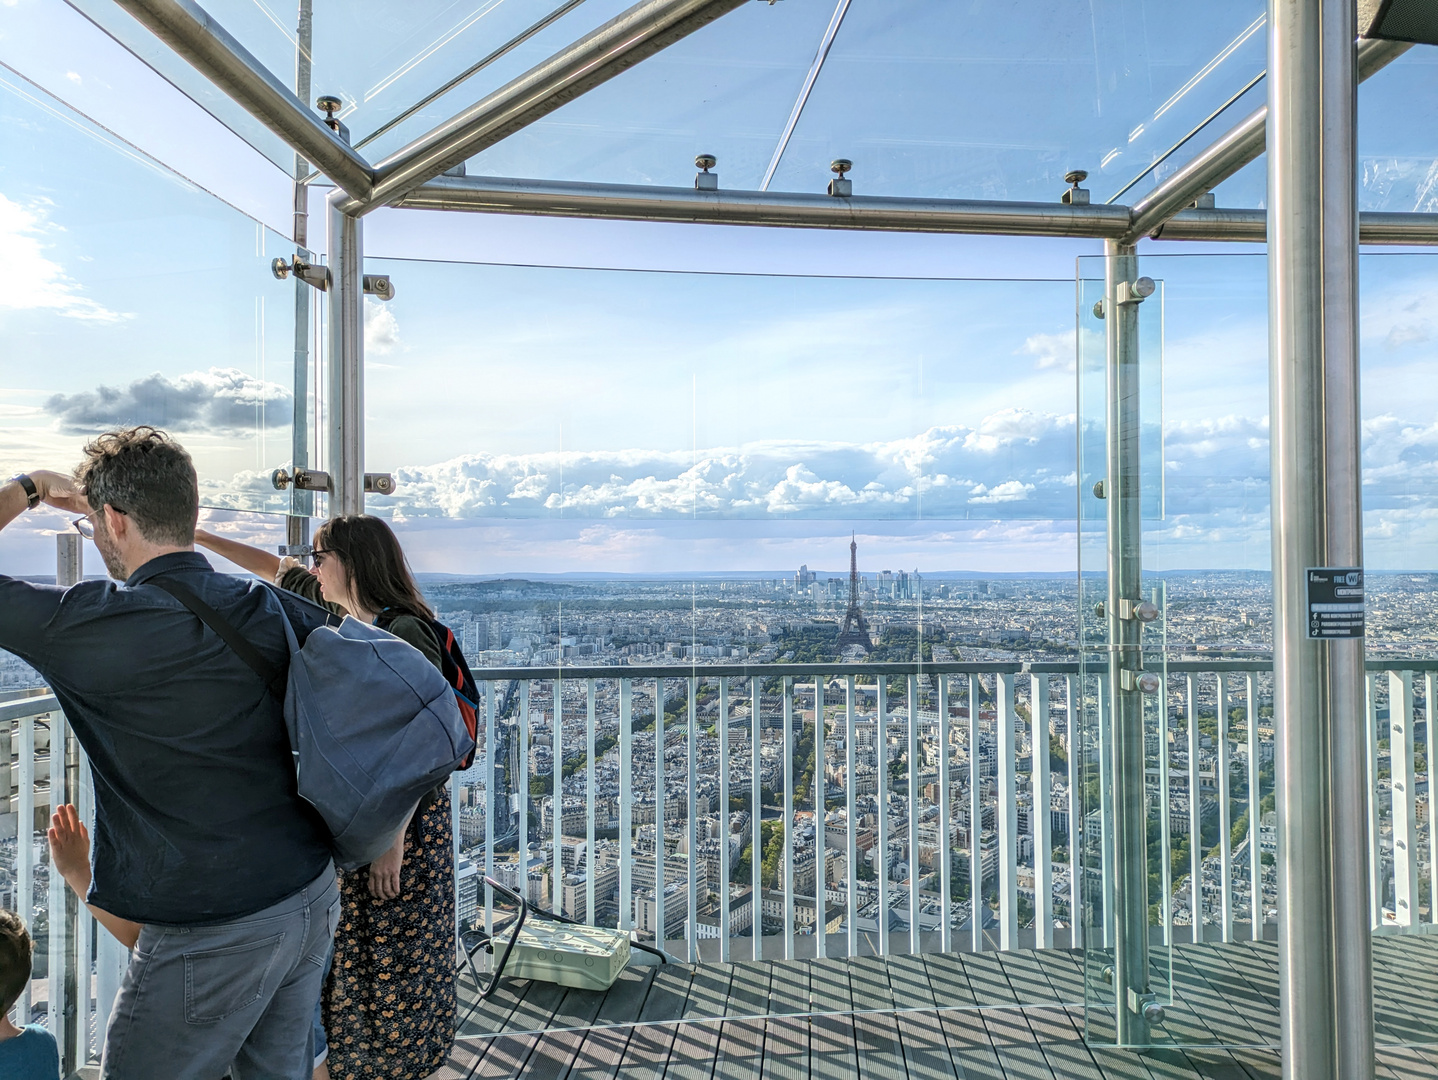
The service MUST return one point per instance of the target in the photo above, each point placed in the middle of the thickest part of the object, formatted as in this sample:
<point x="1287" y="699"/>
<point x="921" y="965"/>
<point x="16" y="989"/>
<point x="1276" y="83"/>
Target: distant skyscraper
<point x="855" y="630"/>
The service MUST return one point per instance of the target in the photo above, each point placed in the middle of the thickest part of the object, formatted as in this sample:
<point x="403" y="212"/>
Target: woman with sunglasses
<point x="389" y="1000"/>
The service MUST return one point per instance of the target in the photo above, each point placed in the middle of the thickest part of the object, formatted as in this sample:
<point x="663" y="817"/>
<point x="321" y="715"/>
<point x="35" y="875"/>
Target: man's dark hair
<point x="16" y="950"/>
<point x="146" y="475"/>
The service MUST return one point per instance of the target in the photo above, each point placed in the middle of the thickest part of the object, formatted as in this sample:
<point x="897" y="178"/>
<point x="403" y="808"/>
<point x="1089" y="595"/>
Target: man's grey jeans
<point x="197" y="1000"/>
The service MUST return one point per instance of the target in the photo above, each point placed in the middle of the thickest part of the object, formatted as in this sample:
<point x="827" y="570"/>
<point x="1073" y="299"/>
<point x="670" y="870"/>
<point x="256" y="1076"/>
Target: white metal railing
<point x="83" y="964"/>
<point x="965" y="742"/>
<point x="968" y="743"/>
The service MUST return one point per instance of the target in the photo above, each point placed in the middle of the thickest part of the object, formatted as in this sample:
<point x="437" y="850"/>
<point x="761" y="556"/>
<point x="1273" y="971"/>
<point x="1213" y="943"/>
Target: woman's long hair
<point x="379" y="574"/>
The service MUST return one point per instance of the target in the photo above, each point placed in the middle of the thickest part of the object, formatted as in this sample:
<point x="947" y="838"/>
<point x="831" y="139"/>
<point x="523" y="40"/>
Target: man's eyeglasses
<point x="85" y="526"/>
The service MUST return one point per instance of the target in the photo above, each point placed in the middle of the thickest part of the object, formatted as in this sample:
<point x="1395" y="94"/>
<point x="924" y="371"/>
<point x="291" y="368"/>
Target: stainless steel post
<point x="345" y="359"/>
<point x="1122" y="494"/>
<point x="1325" y="959"/>
<point x="302" y="503"/>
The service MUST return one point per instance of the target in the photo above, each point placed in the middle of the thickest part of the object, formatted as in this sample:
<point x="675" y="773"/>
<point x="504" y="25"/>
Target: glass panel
<point x="1102" y="756"/>
<point x="687" y="498"/>
<point x="155" y="308"/>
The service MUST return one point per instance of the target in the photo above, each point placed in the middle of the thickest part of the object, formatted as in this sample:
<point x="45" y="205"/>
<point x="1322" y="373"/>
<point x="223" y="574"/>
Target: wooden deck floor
<point x="995" y="1016"/>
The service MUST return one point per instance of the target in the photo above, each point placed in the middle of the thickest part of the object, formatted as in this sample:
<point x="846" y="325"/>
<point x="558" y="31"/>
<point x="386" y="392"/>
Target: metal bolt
<point x="281" y="268"/>
<point x="1149" y="682"/>
<point x="840" y="166"/>
<point x="1146" y="612"/>
<point x="1153" y="1012"/>
<point x="1099" y="490"/>
<point x="329" y="105"/>
<point x="705" y="162"/>
<point x="1098" y="309"/>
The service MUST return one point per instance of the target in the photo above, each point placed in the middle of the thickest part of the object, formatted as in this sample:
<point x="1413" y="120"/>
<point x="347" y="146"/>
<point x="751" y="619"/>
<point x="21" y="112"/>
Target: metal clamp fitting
<point x="379" y="483"/>
<point x="1135" y="292"/>
<point x="378" y="285"/>
<point x="1145" y="682"/>
<point x="303" y="479"/>
<point x="1146" y="1005"/>
<point x="318" y="276"/>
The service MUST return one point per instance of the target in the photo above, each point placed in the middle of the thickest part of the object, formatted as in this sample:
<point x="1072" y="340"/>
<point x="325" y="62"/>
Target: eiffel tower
<point x="855" y="630"/>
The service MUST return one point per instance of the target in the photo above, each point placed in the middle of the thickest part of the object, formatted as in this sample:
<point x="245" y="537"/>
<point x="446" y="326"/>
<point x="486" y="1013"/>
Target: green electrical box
<point x="580" y="957"/>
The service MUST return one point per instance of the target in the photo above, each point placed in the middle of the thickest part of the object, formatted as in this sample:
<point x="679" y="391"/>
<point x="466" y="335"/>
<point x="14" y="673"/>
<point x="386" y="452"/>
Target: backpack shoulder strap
<point x="273" y="677"/>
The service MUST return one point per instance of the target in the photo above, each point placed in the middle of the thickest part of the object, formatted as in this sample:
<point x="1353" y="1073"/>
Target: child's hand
<point x="70" y="848"/>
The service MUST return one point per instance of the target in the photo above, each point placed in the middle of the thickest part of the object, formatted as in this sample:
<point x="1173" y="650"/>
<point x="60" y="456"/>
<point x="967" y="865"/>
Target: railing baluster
<point x="1195" y="814"/>
<point x="821" y="834"/>
<point x="626" y="804"/>
<point x="522" y="783"/>
<point x="1375" y="850"/>
<point x="1255" y="813"/>
<point x="881" y="864"/>
<point x="490" y="803"/>
<point x="723" y="725"/>
<point x="59" y="924"/>
<point x="25" y="845"/>
<point x="786" y="758"/>
<point x="1008" y="817"/>
<point x="1075" y="824"/>
<point x="1164" y="810"/>
<point x="1039" y="765"/>
<point x="1106" y="811"/>
<point x="976" y="823"/>
<point x="851" y="812"/>
<point x="914" y="940"/>
<point x="756" y="817"/>
<point x="556" y="801"/>
<point x="1225" y="823"/>
<point x="1405" y="822"/>
<point x="946" y="822"/>
<point x="1430" y="687"/>
<point x="589" y="802"/>
<point x="88" y="928"/>
<point x="691" y="826"/>
<point x="660" y="934"/>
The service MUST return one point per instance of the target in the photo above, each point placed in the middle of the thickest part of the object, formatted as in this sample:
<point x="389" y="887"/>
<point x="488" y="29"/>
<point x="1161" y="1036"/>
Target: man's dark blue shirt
<point x="198" y="819"/>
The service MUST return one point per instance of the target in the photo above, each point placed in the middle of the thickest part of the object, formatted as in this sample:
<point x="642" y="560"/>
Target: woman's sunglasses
<point x="318" y="554"/>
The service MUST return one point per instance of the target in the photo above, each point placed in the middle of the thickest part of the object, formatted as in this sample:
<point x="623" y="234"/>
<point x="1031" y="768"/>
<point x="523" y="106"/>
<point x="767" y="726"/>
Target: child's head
<point x="15" y="957"/>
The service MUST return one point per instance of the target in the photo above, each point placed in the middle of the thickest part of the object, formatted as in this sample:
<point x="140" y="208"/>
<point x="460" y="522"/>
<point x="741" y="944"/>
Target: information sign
<point x="1335" y="601"/>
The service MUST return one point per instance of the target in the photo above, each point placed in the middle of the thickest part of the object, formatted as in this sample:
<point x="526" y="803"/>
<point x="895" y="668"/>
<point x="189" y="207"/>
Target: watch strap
<point x="32" y="494"/>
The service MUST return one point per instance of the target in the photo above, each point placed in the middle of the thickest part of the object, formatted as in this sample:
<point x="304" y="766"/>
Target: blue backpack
<point x="372" y="723"/>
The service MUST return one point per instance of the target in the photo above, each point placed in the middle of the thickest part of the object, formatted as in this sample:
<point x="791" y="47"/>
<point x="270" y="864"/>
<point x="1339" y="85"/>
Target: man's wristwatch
<point x="32" y="494"/>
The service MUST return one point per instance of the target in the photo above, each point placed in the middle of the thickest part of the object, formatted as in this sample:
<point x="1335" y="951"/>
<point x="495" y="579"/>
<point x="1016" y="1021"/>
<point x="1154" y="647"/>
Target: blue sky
<point x="550" y="418"/>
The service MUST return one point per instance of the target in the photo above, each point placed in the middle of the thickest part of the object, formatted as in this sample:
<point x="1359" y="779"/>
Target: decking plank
<point x="949" y="981"/>
<point x="1026" y="978"/>
<point x="909" y="982"/>
<point x="1064" y="969"/>
<point x="786" y="1049"/>
<point x="1014" y="1043"/>
<point x="601" y="1054"/>
<point x="555" y="1051"/>
<point x="926" y="1051"/>
<point x="1062" y="1044"/>
<point x="876" y="1038"/>
<point x="987" y="978"/>
<point x="969" y="1047"/>
<point x="789" y="988"/>
<point x="869" y="982"/>
<point x="829" y="986"/>
<point x="749" y="990"/>
<point x="740" y="1053"/>
<point x="708" y="991"/>
<point x="692" y="1055"/>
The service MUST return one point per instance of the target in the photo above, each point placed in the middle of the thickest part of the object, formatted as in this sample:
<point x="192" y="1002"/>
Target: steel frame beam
<point x="188" y="30"/>
<point x="558" y="198"/>
<point x="1243" y="143"/>
<point x="634" y="35"/>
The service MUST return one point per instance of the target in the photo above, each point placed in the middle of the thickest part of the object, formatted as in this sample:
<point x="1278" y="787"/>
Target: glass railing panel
<point x="155" y="308"/>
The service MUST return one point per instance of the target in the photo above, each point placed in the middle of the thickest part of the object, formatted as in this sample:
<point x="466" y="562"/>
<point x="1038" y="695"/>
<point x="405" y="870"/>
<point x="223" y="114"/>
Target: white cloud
<point x="31" y="281"/>
<point x="1051" y="350"/>
<point x="381" y="330"/>
<point x="221" y="399"/>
